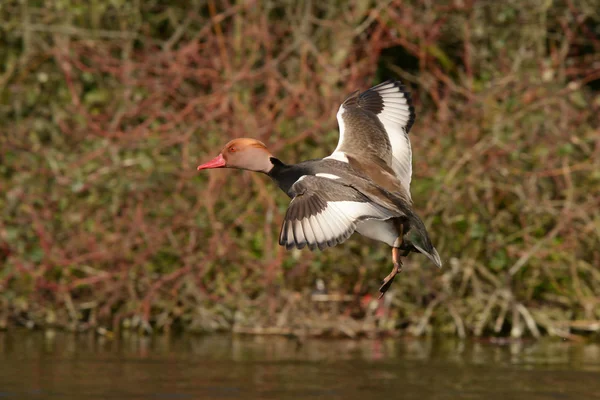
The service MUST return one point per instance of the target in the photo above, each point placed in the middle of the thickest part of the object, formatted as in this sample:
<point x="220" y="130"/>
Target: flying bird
<point x="363" y="186"/>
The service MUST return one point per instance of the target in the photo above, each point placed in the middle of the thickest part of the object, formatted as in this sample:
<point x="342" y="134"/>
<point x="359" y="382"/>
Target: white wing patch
<point x="331" y="226"/>
<point x="328" y="176"/>
<point x="337" y="153"/>
<point x="395" y="117"/>
<point x="396" y="114"/>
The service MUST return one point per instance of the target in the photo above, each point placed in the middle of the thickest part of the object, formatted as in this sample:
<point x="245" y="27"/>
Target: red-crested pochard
<point x="363" y="186"/>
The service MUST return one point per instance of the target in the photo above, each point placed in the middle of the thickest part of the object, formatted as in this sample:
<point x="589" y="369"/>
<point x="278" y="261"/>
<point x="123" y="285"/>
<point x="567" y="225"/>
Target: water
<point x="37" y="365"/>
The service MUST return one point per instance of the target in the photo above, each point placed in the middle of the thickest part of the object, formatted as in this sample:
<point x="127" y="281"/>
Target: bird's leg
<point x="387" y="282"/>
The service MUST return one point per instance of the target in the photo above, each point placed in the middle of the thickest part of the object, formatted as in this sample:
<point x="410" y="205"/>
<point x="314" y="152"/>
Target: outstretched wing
<point x="375" y="124"/>
<point x="324" y="213"/>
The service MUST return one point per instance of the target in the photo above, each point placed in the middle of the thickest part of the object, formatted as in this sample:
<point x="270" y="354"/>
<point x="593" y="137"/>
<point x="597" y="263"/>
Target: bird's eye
<point x="232" y="149"/>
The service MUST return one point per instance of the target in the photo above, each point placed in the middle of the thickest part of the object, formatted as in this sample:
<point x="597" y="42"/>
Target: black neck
<point x="285" y="175"/>
<point x="276" y="162"/>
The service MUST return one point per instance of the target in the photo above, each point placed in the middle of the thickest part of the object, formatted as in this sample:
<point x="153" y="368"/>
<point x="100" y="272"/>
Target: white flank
<point x="382" y="231"/>
<point x="355" y="210"/>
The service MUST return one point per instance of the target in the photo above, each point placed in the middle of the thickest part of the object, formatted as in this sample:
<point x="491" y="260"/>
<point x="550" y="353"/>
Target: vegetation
<point x="106" y="108"/>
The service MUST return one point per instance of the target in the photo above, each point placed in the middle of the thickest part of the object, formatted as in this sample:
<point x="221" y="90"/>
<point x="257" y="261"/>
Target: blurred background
<point x="107" y="107"/>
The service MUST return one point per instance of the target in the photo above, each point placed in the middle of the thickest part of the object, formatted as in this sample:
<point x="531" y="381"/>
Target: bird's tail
<point x="416" y="237"/>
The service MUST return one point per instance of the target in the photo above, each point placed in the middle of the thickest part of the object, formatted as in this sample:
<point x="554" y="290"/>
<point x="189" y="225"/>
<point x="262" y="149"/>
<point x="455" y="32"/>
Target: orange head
<point x="243" y="153"/>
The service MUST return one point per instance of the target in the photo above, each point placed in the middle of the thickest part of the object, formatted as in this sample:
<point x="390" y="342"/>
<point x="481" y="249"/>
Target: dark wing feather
<point x="375" y="125"/>
<point x="324" y="213"/>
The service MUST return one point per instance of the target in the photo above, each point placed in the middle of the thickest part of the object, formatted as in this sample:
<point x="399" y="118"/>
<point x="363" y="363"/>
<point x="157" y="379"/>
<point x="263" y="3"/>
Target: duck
<point x="363" y="186"/>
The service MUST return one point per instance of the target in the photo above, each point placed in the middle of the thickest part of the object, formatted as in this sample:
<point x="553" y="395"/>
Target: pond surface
<point x="38" y="365"/>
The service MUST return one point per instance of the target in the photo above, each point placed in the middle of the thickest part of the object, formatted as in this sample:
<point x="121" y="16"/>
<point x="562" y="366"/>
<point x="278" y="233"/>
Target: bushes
<point x="107" y="109"/>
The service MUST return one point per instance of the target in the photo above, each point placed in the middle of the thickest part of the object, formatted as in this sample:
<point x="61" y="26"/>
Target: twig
<point x="82" y="32"/>
<point x="528" y="320"/>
